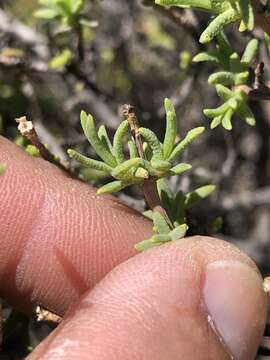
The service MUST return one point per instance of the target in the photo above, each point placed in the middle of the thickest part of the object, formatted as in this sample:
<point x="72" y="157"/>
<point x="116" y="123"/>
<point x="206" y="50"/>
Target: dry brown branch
<point x="46" y="315"/>
<point x="26" y="128"/>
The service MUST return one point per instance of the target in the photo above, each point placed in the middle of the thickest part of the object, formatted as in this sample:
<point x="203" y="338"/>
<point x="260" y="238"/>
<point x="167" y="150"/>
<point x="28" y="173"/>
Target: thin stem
<point x="261" y="19"/>
<point x="258" y="90"/>
<point x="149" y="186"/>
<point x="27" y="130"/>
<point x="80" y="43"/>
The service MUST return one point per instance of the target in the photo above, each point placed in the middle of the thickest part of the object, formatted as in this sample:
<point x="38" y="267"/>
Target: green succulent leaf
<point x="161" y="165"/>
<point x="178" y="208"/>
<point x="88" y="125"/>
<point x="217" y="24"/>
<point x="224" y="44"/>
<point x="228" y="78"/>
<point x="197" y="195"/>
<point x="190" y="137"/>
<point x="118" y="146"/>
<point x="179" y="232"/>
<point x="245" y="113"/>
<point x="180" y="168"/>
<point x="61" y="60"/>
<point x="153" y="142"/>
<point x="160" y="224"/>
<point x="91" y="163"/>
<point x="127" y="169"/>
<point x="149" y="214"/>
<point x="224" y="92"/>
<point x="103" y="135"/>
<point x="199" y="4"/>
<point x="133" y="152"/>
<point x="250" y="52"/>
<point x="216" y="112"/>
<point x="226" y="119"/>
<point x="247" y="15"/>
<point x="112" y="187"/>
<point x="206" y="56"/>
<point x="167" y="203"/>
<point x="235" y="64"/>
<point x="32" y="150"/>
<point x="77" y="6"/>
<point x="46" y="14"/>
<point x="161" y="238"/>
<point x="141" y="173"/>
<point x="145" y="245"/>
<point x="216" y="122"/>
<point x="171" y="128"/>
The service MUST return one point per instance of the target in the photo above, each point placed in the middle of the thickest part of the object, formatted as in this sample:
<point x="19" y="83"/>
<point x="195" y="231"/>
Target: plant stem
<point x="80" y="43"/>
<point x="258" y="91"/>
<point x="261" y="19"/>
<point x="26" y="128"/>
<point x="149" y="186"/>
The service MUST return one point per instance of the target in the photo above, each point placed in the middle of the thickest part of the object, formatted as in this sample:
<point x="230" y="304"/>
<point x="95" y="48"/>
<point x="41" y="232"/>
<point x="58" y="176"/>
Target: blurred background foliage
<point x="139" y="55"/>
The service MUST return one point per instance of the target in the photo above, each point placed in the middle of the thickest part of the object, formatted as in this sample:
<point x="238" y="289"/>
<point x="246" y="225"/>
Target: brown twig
<point x="259" y="90"/>
<point x="26" y="128"/>
<point x="129" y="114"/>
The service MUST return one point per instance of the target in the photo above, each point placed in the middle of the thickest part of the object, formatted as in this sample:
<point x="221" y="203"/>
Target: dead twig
<point x="26" y="128"/>
<point x="46" y="315"/>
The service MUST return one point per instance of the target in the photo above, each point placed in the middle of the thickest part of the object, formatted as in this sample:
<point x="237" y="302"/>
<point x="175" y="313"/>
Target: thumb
<point x="198" y="298"/>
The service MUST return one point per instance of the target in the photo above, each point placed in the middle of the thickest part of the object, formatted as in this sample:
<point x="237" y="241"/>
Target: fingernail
<point x="236" y="304"/>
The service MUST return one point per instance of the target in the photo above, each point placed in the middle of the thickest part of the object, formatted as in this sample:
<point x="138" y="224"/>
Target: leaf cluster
<point x="224" y="13"/>
<point x="68" y="12"/>
<point x="159" y="159"/>
<point x="235" y="72"/>
<point x="176" y="206"/>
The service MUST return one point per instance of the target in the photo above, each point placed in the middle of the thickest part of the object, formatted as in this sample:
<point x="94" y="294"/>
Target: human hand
<point x="197" y="298"/>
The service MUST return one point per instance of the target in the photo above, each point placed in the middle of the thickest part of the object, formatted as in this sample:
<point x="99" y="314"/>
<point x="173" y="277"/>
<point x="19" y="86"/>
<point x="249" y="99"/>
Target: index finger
<point x="58" y="238"/>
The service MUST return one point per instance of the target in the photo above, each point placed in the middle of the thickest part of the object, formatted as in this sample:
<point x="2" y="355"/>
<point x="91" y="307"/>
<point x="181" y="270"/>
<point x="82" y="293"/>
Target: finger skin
<point x="58" y="238"/>
<point x="151" y="307"/>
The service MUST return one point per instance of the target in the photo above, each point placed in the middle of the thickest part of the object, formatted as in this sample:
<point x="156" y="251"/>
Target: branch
<point x="261" y="19"/>
<point x="247" y="199"/>
<point x="26" y="128"/>
<point x="258" y="91"/>
<point x="181" y="17"/>
<point x="149" y="186"/>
